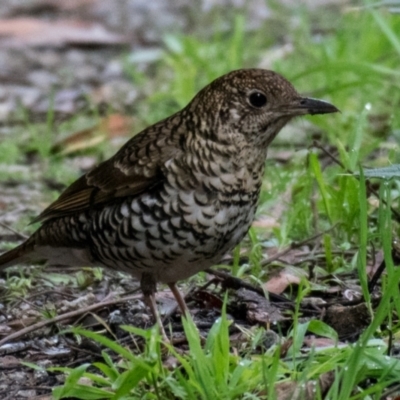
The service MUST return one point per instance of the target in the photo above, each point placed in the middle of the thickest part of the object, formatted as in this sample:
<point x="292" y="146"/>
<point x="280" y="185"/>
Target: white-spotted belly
<point x="172" y="237"/>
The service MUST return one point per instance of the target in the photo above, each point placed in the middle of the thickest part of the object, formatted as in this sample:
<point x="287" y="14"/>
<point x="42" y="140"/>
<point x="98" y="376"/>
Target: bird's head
<point x="255" y="103"/>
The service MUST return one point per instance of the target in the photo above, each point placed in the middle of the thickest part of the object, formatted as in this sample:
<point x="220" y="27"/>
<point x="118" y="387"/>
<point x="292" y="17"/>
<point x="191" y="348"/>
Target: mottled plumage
<point x="178" y="195"/>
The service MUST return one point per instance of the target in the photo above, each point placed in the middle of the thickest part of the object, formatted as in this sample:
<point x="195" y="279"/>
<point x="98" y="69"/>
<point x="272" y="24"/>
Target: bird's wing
<point x="136" y="167"/>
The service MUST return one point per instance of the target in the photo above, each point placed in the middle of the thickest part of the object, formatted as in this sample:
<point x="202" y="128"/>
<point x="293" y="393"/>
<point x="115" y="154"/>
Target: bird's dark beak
<point x="306" y="105"/>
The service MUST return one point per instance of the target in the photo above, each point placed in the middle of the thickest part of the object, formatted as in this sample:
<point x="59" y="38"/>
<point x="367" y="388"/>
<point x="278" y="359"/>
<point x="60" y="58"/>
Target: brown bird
<point x="178" y="195"/>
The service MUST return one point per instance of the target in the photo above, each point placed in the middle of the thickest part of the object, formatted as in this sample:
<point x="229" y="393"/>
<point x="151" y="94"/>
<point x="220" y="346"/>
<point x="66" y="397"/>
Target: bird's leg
<point x="179" y="299"/>
<point x="149" y="288"/>
<point x="181" y="303"/>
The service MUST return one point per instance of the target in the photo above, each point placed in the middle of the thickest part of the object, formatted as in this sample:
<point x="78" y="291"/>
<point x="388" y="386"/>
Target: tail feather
<point x="18" y="255"/>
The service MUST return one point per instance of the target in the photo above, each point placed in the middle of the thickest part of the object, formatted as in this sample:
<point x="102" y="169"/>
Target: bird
<point x="178" y="195"/>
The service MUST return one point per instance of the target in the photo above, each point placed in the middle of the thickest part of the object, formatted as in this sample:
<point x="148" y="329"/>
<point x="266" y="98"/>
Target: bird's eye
<point x="257" y="99"/>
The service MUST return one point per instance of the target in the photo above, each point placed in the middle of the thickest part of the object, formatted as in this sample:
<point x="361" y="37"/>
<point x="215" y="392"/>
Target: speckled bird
<point x="178" y="195"/>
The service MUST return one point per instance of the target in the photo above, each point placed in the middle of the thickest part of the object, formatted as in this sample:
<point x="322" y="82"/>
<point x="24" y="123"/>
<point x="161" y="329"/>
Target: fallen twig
<point x="62" y="317"/>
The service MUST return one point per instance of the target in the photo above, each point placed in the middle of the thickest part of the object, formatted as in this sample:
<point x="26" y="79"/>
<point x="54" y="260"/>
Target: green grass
<point x="211" y="370"/>
<point x="352" y="62"/>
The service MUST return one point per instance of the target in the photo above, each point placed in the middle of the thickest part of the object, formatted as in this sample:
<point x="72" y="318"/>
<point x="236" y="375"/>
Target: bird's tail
<point x="18" y="255"/>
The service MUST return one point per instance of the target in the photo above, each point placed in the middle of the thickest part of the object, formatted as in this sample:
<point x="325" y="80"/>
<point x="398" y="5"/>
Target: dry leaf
<point x="312" y="341"/>
<point x="278" y="283"/>
<point x="308" y="391"/>
<point x="21" y="32"/>
<point x="115" y="125"/>
<point x="8" y="362"/>
<point x="265" y="222"/>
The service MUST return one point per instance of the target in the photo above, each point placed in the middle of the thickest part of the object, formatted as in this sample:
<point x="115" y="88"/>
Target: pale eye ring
<point x="257" y="99"/>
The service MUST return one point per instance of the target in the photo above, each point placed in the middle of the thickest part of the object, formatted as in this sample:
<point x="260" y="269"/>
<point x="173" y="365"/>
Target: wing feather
<point x="137" y="166"/>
